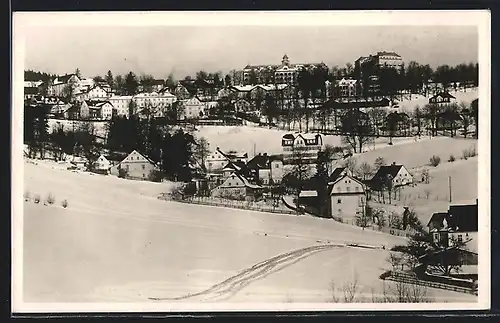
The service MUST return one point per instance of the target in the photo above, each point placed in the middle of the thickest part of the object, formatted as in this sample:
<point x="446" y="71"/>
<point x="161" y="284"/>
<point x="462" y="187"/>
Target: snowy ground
<point x="420" y="100"/>
<point x="413" y="153"/>
<point x="464" y="177"/>
<point x="117" y="242"/>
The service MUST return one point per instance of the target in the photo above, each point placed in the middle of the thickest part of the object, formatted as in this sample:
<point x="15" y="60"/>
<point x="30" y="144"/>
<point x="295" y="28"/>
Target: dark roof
<point x="444" y="95"/>
<point x="463" y="218"/>
<point x="65" y="78"/>
<point x="259" y="161"/>
<point x="336" y="174"/>
<point x="381" y="176"/>
<point x="438" y="218"/>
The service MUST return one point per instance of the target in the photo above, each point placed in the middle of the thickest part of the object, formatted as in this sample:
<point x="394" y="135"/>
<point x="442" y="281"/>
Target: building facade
<point x="347" y="199"/>
<point x="301" y="146"/>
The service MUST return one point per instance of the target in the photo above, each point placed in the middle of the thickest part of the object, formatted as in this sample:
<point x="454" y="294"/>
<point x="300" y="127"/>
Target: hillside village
<point x="350" y="146"/>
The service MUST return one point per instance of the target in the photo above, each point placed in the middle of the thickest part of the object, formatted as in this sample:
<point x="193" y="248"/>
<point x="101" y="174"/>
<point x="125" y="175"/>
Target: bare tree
<point x="351" y="164"/>
<point x="365" y="170"/>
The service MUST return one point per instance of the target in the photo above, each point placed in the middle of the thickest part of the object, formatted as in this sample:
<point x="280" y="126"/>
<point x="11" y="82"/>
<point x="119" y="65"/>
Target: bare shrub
<point x="427" y="193"/>
<point x="64" y="203"/>
<point x="470" y="152"/>
<point x="349" y="290"/>
<point x="451" y="159"/>
<point x="435" y="160"/>
<point x="37" y="198"/>
<point x="50" y="199"/>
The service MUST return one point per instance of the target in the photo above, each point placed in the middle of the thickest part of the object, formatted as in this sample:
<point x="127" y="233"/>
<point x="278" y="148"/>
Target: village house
<point x="301" y="146"/>
<point x="97" y="110"/>
<point x="398" y="174"/>
<point x="242" y="105"/>
<point x="181" y="92"/>
<point x="442" y="98"/>
<point x="102" y="164"/>
<point x="193" y="109"/>
<point x="135" y="165"/>
<point x="237" y="187"/>
<point x="216" y="161"/>
<point x="346" y="88"/>
<point x="347" y="196"/>
<point x="266" y="169"/>
<point x="121" y="104"/>
<point x="60" y="82"/>
<point x="92" y="93"/>
<point x="156" y="101"/>
<point x="154" y="86"/>
<point x="232" y="167"/>
<point x="458" y="225"/>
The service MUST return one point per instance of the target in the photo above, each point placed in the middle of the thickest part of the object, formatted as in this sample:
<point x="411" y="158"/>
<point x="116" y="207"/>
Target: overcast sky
<point x="184" y="50"/>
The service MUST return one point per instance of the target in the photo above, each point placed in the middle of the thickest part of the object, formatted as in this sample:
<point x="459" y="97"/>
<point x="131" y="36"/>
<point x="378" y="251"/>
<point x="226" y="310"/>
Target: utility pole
<point x="449" y="185"/>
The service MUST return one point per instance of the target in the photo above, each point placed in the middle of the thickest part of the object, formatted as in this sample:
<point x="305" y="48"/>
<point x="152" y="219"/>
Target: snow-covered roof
<point x="310" y="193"/>
<point x="121" y="97"/>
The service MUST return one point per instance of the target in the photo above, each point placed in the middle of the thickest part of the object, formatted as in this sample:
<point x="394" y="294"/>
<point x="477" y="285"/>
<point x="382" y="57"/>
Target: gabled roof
<point x="463" y="218"/>
<point x="351" y="178"/>
<point x="245" y="180"/>
<point x="438" y="218"/>
<point x="443" y="95"/>
<point x="383" y="172"/>
<point x="232" y="155"/>
<point x="337" y="172"/>
<point x="142" y="155"/>
<point x="65" y="78"/>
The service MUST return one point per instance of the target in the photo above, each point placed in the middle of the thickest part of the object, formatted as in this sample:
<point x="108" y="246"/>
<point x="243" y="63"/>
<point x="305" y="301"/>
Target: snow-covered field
<point x="464" y="179"/>
<point x="417" y="153"/>
<point x="420" y="100"/>
<point x="117" y="242"/>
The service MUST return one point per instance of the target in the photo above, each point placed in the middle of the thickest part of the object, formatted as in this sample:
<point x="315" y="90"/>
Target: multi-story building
<point x="365" y="68"/>
<point x="346" y="88"/>
<point x="154" y="99"/>
<point x="59" y="84"/>
<point x="91" y="93"/>
<point x="304" y="147"/>
<point x="282" y="73"/>
<point x="121" y="104"/>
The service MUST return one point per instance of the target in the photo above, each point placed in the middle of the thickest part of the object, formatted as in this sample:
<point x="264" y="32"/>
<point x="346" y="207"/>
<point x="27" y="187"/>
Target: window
<point x="277" y="166"/>
<point x="143" y="175"/>
<point x="143" y="166"/>
<point x="348" y="188"/>
<point x="339" y="201"/>
<point x="460" y="239"/>
<point x="356" y="188"/>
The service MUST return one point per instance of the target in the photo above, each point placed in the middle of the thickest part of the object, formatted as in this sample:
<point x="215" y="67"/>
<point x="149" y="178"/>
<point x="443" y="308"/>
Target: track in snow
<point x="230" y="286"/>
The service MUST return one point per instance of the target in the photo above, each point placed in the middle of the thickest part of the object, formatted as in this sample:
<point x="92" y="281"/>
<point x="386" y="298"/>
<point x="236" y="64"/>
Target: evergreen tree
<point x="110" y="79"/>
<point x="131" y="84"/>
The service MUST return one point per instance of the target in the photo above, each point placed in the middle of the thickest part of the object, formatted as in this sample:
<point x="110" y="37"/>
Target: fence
<point x="412" y="279"/>
<point x="230" y="204"/>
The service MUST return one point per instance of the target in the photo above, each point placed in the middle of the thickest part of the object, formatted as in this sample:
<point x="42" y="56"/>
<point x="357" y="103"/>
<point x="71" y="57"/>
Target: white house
<point x="98" y="109"/>
<point x="236" y="187"/>
<point x="102" y="163"/>
<point x="398" y="173"/>
<point x="157" y="101"/>
<point x="347" y="198"/>
<point x="193" y="109"/>
<point x="92" y="93"/>
<point x="60" y="82"/>
<point x="216" y="161"/>
<point x="121" y="104"/>
<point x="135" y="165"/>
<point x="458" y="225"/>
<point x="303" y="146"/>
<point x="347" y="88"/>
